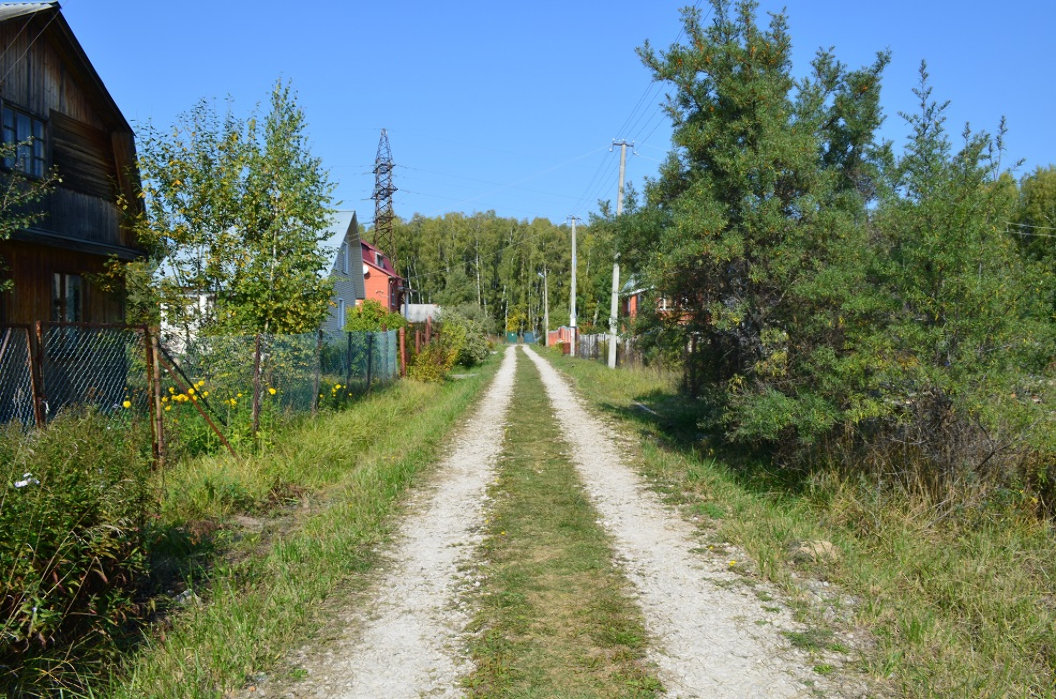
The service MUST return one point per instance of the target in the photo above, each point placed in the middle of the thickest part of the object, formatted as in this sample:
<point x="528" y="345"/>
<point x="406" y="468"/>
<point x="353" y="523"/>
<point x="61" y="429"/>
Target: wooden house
<point x="52" y="98"/>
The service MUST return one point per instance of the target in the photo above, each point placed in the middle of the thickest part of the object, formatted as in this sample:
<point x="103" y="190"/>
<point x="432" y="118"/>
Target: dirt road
<point x="406" y="638"/>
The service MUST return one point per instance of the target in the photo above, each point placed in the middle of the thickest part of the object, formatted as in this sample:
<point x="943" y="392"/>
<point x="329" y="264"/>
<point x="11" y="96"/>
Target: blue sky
<point x="511" y="106"/>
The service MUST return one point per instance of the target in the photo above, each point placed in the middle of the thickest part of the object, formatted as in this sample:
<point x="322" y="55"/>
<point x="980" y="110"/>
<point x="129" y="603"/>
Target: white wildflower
<point x="27" y="479"/>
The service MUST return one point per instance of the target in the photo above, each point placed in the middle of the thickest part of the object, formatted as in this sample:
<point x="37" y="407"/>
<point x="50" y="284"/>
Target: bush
<point x="73" y="506"/>
<point x="467" y="330"/>
<point x="435" y="360"/>
<point x="372" y="316"/>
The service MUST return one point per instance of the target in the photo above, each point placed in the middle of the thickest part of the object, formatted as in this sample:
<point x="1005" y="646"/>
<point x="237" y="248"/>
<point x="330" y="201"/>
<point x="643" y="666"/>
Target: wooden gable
<point x="46" y="79"/>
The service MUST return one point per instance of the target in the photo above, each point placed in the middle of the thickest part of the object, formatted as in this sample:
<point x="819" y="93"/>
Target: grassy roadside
<point x="351" y="469"/>
<point x="957" y="605"/>
<point x="555" y="618"/>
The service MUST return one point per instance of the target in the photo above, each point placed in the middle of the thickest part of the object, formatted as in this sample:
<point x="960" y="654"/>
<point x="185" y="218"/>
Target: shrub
<point x="372" y="316"/>
<point x="435" y="360"/>
<point x="467" y="331"/>
<point x="73" y="505"/>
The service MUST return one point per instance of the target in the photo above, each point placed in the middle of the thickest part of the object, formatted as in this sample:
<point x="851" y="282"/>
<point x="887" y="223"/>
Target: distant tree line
<point x="506" y="268"/>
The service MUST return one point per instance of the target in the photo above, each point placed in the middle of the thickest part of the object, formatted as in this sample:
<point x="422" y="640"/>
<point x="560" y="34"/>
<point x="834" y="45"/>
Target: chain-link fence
<point x="231" y="384"/>
<point x="48" y="366"/>
<point x="293" y="372"/>
<point x="16" y="378"/>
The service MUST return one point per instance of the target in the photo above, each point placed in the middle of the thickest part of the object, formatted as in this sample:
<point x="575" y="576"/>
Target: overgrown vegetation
<point x="75" y="507"/>
<point x="95" y="545"/>
<point x="372" y="316"/>
<point x="832" y="301"/>
<point x="462" y="339"/>
<point x="957" y="598"/>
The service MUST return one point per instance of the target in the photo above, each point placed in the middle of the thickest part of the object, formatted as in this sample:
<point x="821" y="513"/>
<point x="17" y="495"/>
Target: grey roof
<point x="10" y="10"/>
<point x="335" y="233"/>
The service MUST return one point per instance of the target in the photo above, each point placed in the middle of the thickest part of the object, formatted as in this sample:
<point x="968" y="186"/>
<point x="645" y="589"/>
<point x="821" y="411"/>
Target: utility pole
<point x="614" y="306"/>
<point x="572" y="300"/>
<point x="546" y="309"/>
<point x="382" y="196"/>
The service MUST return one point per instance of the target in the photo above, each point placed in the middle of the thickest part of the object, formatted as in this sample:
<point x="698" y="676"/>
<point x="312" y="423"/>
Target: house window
<point x="341" y="314"/>
<point x="28" y="133"/>
<point x="379" y="260"/>
<point x="67" y="298"/>
<point x="344" y="258"/>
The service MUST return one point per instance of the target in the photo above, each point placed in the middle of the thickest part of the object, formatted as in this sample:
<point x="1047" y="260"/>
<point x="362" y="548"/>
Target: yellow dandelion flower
<point x="271" y="390"/>
<point x="190" y="391"/>
<point x="164" y="399"/>
<point x="733" y="563"/>
<point x="171" y="389"/>
<point x="239" y="395"/>
<point x="127" y="404"/>
<point x="168" y="408"/>
<point x="205" y="394"/>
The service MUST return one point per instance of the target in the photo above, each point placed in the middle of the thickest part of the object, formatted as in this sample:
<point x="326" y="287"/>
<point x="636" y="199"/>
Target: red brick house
<point x="380" y="280"/>
<point x="52" y="99"/>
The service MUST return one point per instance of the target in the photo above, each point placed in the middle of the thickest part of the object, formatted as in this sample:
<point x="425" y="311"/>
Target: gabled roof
<point x="345" y="227"/>
<point x="340" y="226"/>
<point x="369" y="257"/>
<point x="14" y="10"/>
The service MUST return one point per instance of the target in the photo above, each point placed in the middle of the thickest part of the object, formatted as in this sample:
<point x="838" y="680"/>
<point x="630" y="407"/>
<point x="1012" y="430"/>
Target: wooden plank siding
<point x="31" y="268"/>
<point x="45" y="73"/>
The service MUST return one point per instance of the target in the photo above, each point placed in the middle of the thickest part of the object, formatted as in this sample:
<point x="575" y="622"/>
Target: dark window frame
<point x="30" y="132"/>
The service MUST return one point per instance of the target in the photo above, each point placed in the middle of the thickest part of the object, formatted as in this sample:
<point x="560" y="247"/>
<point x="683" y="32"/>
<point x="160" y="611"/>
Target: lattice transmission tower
<point x="383" y="189"/>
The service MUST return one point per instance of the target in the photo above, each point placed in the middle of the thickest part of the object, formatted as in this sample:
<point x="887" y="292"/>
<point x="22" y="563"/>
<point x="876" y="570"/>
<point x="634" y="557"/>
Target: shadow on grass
<point x="690" y="426"/>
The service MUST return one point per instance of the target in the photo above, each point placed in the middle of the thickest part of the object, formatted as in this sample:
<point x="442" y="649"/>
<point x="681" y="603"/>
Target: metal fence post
<point x="348" y="360"/>
<point x="403" y="351"/>
<point x="157" y="429"/>
<point x="370" y="358"/>
<point x="37" y="372"/>
<point x="318" y="370"/>
<point x="256" y="384"/>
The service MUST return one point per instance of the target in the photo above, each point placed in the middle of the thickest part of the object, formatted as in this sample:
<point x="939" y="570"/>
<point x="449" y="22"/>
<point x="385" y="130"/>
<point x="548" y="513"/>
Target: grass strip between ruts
<point x="555" y="616"/>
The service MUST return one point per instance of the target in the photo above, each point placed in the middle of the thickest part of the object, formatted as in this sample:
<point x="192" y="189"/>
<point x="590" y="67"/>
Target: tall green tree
<point x="1034" y="227"/>
<point x="237" y="209"/>
<point x="954" y="361"/>
<point x="752" y="228"/>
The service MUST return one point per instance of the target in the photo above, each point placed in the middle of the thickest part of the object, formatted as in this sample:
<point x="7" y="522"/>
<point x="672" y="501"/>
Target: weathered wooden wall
<point x="31" y="268"/>
<point x="44" y="73"/>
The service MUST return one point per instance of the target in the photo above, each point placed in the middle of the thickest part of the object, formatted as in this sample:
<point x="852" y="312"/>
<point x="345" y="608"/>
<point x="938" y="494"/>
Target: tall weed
<point x="73" y="509"/>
